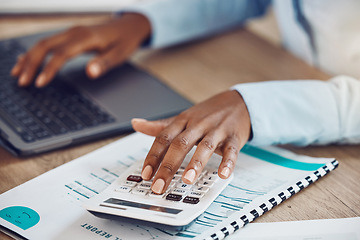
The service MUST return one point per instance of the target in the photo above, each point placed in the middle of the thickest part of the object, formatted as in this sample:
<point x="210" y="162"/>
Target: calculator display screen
<point x="143" y="206"/>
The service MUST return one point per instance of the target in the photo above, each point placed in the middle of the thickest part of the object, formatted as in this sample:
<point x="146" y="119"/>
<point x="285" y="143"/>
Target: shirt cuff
<point x="298" y="112"/>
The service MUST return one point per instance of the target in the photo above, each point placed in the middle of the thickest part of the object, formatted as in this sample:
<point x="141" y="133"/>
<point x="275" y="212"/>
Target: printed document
<point x="50" y="206"/>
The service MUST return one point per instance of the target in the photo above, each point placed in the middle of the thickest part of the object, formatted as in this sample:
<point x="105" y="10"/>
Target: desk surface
<point x="198" y="70"/>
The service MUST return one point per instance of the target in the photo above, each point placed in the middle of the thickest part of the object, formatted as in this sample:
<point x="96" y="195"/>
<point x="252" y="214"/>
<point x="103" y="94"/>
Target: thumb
<point x="152" y="128"/>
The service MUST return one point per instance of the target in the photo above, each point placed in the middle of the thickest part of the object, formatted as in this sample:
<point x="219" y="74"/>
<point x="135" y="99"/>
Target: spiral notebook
<point x="52" y="202"/>
<point x="265" y="204"/>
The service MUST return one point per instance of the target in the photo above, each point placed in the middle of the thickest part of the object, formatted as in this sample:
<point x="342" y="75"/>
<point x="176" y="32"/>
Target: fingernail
<point x="14" y="70"/>
<point x="225" y="172"/>
<point x="95" y="69"/>
<point x="190" y="175"/>
<point x="22" y="80"/>
<point x="146" y="173"/>
<point x="158" y="186"/>
<point x="40" y="81"/>
<point x="138" y="120"/>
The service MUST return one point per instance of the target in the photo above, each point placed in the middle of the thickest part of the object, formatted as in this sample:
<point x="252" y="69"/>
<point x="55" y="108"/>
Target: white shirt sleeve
<point x="174" y="21"/>
<point x="303" y="112"/>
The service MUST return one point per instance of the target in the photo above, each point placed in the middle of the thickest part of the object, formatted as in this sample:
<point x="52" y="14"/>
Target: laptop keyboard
<point x="36" y="114"/>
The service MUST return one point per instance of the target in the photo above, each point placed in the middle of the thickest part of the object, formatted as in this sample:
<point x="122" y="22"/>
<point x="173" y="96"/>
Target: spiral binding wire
<point x="274" y="201"/>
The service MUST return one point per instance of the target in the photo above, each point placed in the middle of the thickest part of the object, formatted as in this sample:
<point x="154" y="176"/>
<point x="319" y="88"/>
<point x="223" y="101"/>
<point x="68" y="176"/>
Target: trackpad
<point x="128" y="92"/>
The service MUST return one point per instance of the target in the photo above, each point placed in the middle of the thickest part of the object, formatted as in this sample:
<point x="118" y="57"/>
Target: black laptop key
<point x="46" y="120"/>
<point x="13" y="108"/>
<point x="27" y="137"/>
<point x="43" y="134"/>
<point x="39" y="113"/>
<point x="70" y="123"/>
<point x="54" y="108"/>
<point x="86" y="120"/>
<point x="27" y="121"/>
<point x="104" y="118"/>
<point x="34" y="127"/>
<point x="56" y="128"/>
<point x="19" y="114"/>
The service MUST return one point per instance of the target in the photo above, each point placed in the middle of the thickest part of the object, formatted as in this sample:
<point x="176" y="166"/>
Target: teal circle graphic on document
<point x="22" y="217"/>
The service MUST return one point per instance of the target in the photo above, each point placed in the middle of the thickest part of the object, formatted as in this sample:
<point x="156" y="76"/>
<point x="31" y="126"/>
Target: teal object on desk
<point x="22" y="217"/>
<point x="279" y="160"/>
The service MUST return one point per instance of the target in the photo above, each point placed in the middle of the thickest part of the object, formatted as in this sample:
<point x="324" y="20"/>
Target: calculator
<point x="130" y="198"/>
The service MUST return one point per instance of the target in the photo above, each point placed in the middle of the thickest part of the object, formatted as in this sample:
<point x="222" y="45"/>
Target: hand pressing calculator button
<point x="131" y="197"/>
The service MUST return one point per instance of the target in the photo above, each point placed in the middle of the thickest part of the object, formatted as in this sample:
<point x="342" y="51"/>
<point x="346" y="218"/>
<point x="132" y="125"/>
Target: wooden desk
<point x="197" y="71"/>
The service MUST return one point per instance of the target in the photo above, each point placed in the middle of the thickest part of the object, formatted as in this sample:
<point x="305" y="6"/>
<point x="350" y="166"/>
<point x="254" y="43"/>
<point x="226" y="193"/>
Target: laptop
<point x="73" y="109"/>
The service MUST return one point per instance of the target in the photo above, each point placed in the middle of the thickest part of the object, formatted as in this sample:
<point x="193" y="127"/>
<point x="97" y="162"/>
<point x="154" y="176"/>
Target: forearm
<point x="303" y="112"/>
<point x="175" y="22"/>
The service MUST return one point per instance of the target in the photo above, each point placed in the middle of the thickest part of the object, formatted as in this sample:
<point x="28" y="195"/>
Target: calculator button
<point x="137" y="171"/>
<point x="205" y="183"/>
<point x="210" y="178"/>
<point x="123" y="189"/>
<point x="183" y="186"/>
<point x="134" y="178"/>
<point x="179" y="191"/>
<point x="179" y="173"/>
<point x="139" y="192"/>
<point x="213" y="173"/>
<point x="196" y="194"/>
<point x="171" y="185"/>
<point x="202" y="189"/>
<point x="176" y="178"/>
<point x="173" y="197"/>
<point x="129" y="184"/>
<point x="144" y="185"/>
<point x="191" y="200"/>
<point x="152" y="194"/>
<point x="201" y="174"/>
